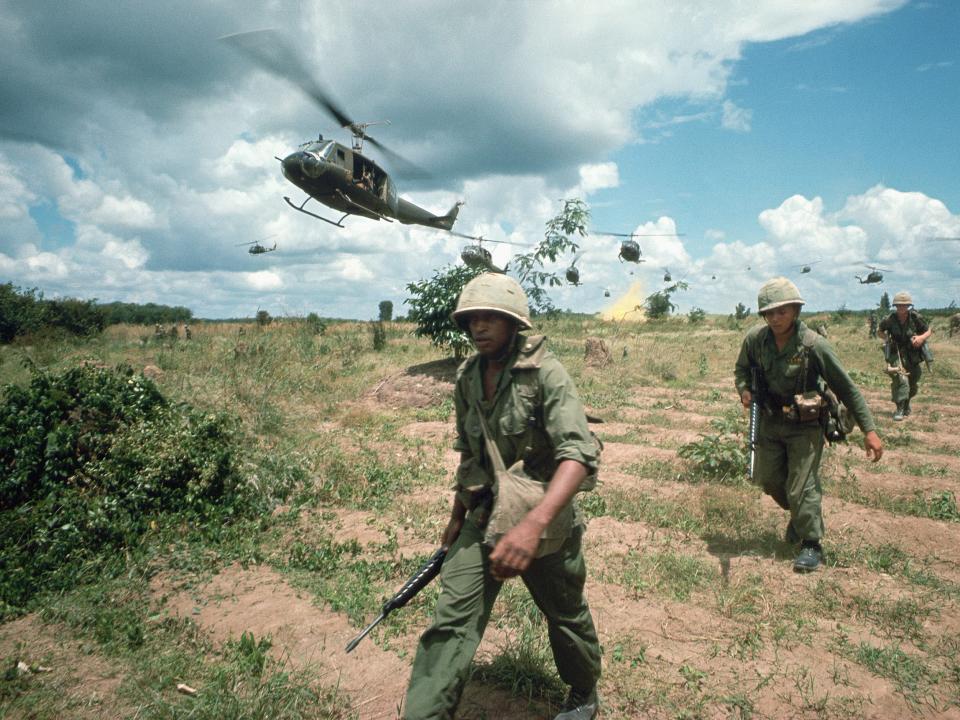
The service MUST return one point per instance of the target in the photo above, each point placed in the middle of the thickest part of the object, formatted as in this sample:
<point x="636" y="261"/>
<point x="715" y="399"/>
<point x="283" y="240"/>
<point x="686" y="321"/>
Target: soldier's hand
<point x="515" y="551"/>
<point x="746" y="398"/>
<point x="873" y="445"/>
<point x="916" y="341"/>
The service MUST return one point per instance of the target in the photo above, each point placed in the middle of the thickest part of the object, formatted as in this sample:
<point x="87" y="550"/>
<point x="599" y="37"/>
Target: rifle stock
<point x="417" y="582"/>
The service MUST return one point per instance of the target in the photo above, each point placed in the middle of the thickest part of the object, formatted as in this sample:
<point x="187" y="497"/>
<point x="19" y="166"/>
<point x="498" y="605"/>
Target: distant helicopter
<point x="630" y="248"/>
<point x="874" y="276"/>
<point x="666" y="275"/>
<point x="806" y="267"/>
<point x="573" y="274"/>
<point x="606" y="293"/>
<point x="338" y="176"/>
<point x="257" y="249"/>
<point x="477" y="256"/>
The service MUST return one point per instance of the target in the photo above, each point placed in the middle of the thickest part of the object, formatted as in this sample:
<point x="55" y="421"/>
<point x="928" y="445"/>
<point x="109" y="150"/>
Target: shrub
<point x="263" y="318"/>
<point x="379" y="332"/>
<point x="696" y="315"/>
<point x="89" y="458"/>
<point x="386" y="311"/>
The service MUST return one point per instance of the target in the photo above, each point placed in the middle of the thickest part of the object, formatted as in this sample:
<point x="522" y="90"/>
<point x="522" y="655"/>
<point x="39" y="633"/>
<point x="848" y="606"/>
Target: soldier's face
<point x="902" y="311"/>
<point x="490" y="331"/>
<point x="781" y="319"/>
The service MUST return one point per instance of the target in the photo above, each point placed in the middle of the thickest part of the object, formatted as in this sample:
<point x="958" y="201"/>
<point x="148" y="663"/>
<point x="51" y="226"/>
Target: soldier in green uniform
<point x="794" y="360"/>
<point x="516" y="409"/>
<point x="907" y="332"/>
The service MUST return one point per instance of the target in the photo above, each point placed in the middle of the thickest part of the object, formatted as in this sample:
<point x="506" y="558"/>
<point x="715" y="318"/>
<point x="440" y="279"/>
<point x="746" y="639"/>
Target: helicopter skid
<point x="299" y="208"/>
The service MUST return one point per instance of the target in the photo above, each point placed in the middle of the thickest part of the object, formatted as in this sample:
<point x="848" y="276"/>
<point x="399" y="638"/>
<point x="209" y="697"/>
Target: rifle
<point x="418" y="581"/>
<point x="755" y="372"/>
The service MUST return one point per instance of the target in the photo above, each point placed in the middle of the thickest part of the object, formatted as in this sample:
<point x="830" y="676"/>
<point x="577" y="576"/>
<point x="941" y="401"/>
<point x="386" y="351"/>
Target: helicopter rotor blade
<point x="633" y="235"/>
<point x="272" y="52"/>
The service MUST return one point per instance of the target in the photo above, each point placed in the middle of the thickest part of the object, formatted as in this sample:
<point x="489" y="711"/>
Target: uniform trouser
<point x="788" y="457"/>
<point x="903" y="388"/>
<point x="446" y="649"/>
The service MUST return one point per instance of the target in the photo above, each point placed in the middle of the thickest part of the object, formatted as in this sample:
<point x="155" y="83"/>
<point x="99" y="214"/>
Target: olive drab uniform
<point x="535" y="418"/>
<point x="788" y="451"/>
<point x="904" y="354"/>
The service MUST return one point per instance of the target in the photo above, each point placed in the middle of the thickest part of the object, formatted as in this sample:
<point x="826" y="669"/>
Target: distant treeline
<point x="27" y="312"/>
<point x="148" y="314"/>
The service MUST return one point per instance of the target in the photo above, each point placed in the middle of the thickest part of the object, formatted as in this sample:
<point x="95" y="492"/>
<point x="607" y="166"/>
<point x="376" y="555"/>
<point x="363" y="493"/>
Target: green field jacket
<point x="535" y="414"/>
<point x="900" y="334"/>
<point x="781" y="369"/>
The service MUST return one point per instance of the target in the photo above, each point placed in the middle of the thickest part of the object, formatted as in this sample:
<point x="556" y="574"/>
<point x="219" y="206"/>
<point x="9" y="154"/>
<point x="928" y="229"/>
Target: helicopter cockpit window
<point x="320" y="149"/>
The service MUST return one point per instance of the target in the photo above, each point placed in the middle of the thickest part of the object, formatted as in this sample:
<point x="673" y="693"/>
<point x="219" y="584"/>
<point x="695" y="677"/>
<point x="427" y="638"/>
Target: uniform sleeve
<point x="460" y="443"/>
<point x="884" y="325"/>
<point x="839" y="381"/>
<point x="741" y="371"/>
<point x="564" y="419"/>
<point x="922" y="325"/>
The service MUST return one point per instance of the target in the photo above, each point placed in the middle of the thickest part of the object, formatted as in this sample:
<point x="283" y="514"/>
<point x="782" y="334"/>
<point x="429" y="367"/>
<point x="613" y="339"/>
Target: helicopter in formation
<point x="667" y="277"/>
<point x="874" y="276"/>
<point x="806" y="267"/>
<point x="573" y="272"/>
<point x="340" y="177"/>
<point x="256" y="248"/>
<point x="630" y="248"/>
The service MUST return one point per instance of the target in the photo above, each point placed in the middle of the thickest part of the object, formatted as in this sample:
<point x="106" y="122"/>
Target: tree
<point x="386" y="310"/>
<point x="885" y="302"/>
<point x="263" y="318"/>
<point x="431" y="302"/>
<point x="658" y="305"/>
<point x="742" y="312"/>
<point x="571" y="221"/>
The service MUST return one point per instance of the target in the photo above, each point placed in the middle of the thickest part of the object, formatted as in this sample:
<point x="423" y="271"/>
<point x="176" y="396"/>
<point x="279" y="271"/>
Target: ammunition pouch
<point x="806" y="407"/>
<point x="475" y="491"/>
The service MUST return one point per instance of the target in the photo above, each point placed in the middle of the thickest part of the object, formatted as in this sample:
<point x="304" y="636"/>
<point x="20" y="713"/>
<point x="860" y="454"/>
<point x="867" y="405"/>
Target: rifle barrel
<point x="356" y="641"/>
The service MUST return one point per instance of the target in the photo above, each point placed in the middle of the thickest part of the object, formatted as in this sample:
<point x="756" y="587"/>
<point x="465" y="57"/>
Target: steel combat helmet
<point x="493" y="292"/>
<point x="902" y="298"/>
<point x="776" y="292"/>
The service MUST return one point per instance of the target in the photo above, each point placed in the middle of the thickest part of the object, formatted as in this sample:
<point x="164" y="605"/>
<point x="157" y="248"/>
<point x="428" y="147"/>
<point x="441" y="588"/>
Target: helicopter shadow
<point x="766" y="544"/>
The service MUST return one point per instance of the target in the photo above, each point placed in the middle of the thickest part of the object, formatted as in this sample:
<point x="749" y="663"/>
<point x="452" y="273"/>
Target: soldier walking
<point x="797" y="365"/>
<point x="520" y="422"/>
<point x="907" y="331"/>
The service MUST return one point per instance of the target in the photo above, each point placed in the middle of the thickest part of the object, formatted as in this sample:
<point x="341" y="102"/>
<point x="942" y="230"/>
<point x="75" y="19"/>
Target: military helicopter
<point x="630" y="248"/>
<point x="874" y="276"/>
<point x="257" y="249"/>
<point x="806" y="267"/>
<point x="666" y="275"/>
<point x="340" y="177"/>
<point x="573" y="273"/>
<point x="477" y="256"/>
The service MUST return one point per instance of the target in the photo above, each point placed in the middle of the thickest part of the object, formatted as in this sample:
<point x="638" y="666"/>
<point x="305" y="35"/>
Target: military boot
<point x="899" y="412"/>
<point x="580" y="705"/>
<point x="906" y="408"/>
<point x="809" y="558"/>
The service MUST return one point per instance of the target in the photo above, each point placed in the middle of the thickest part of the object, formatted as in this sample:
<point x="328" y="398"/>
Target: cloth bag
<point x="515" y="494"/>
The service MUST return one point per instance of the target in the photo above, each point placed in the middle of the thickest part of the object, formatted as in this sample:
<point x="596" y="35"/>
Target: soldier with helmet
<point x="796" y="366"/>
<point x="525" y="451"/>
<point x="907" y="331"/>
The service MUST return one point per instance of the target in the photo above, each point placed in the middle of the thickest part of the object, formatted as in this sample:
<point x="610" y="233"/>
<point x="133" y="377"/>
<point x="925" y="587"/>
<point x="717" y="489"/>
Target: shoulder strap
<point x="488" y="442"/>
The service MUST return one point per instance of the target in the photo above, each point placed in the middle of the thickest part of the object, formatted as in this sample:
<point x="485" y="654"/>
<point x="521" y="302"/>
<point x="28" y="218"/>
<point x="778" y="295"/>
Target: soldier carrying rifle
<point x="793" y="367"/>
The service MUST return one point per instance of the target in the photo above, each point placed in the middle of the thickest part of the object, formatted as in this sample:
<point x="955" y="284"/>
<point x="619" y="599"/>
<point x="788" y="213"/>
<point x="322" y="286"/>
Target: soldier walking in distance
<point x="525" y="450"/>
<point x="796" y="366"/>
<point x="907" y="332"/>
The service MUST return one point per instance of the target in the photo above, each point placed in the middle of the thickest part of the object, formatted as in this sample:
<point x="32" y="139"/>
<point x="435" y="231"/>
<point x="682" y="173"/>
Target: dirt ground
<point x="695" y="656"/>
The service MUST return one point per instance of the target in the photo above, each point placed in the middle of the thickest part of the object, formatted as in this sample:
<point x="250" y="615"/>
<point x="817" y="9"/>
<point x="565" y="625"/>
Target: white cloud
<point x="598" y="176"/>
<point x="123" y="212"/>
<point x="735" y="118"/>
<point x="263" y="280"/>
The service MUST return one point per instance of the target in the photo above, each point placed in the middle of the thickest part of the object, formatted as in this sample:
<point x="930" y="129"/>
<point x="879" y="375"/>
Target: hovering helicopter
<point x="606" y="293"/>
<point x="666" y="275"/>
<point x="257" y="249"/>
<point x="806" y="267"/>
<point x="340" y="177"/>
<point x="874" y="276"/>
<point x="630" y="248"/>
<point x="477" y="256"/>
<point x="573" y="273"/>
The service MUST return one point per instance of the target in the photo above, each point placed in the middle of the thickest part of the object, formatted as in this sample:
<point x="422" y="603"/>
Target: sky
<point x="137" y="152"/>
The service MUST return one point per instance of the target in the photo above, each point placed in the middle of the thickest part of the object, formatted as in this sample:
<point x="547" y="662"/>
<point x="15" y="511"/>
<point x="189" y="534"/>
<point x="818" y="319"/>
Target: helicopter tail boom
<point x="410" y="214"/>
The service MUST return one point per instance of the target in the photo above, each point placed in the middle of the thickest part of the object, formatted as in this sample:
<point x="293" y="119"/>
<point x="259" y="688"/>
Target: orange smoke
<point x="628" y="307"/>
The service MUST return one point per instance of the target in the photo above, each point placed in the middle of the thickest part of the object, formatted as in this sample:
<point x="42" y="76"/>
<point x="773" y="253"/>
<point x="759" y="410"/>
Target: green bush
<point x="88" y="459"/>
